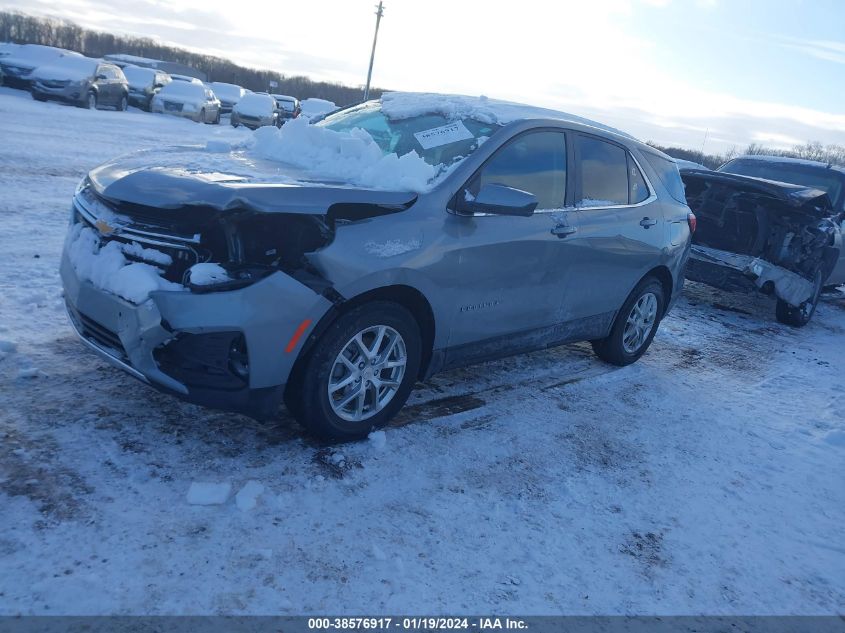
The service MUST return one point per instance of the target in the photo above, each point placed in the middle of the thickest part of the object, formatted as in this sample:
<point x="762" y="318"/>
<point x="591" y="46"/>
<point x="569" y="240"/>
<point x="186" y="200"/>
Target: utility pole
<point x="379" y="13"/>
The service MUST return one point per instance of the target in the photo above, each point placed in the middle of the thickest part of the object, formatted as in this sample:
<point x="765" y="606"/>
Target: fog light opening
<point x="238" y="358"/>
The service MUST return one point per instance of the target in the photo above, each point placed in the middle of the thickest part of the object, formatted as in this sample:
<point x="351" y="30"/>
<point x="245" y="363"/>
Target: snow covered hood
<point x="181" y="177"/>
<point x="66" y="69"/>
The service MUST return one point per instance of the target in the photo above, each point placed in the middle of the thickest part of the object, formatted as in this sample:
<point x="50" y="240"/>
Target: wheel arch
<point x="664" y="276"/>
<point x="407" y="296"/>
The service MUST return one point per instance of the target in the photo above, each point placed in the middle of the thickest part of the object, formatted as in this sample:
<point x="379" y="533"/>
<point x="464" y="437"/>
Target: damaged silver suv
<point x="332" y="266"/>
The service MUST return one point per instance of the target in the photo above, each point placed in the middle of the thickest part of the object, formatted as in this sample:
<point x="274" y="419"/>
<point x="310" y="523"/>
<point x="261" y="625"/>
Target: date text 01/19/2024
<point x="416" y="623"/>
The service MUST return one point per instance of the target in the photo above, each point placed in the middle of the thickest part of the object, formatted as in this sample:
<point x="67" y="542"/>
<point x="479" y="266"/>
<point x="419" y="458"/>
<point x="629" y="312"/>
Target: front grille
<point x="172" y="106"/>
<point x="97" y="333"/>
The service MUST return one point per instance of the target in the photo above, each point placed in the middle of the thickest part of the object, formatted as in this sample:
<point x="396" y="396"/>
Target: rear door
<point x="505" y="275"/>
<point x="620" y="228"/>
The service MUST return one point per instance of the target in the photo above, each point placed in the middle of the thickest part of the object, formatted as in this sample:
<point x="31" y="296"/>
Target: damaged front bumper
<point x="728" y="270"/>
<point x="229" y="350"/>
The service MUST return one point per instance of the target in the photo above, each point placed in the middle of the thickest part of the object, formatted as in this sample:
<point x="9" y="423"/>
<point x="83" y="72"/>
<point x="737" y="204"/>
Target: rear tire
<point x="635" y="325"/>
<point x="383" y="380"/>
<point x="38" y="97"/>
<point x="800" y="316"/>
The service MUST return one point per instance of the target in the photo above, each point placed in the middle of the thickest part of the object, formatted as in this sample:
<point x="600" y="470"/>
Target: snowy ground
<point x="707" y="478"/>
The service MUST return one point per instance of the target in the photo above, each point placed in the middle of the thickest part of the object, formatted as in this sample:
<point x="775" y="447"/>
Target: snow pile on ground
<point x="208" y="494"/>
<point x="352" y="157"/>
<point x="108" y="269"/>
<point x="315" y="107"/>
<point x="247" y="497"/>
<point x="406" y="105"/>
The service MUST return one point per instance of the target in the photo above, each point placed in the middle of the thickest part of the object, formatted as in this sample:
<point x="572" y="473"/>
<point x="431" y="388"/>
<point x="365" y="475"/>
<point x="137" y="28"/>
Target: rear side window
<point x="533" y="162"/>
<point x="667" y="171"/>
<point x="636" y="182"/>
<point x="604" y="173"/>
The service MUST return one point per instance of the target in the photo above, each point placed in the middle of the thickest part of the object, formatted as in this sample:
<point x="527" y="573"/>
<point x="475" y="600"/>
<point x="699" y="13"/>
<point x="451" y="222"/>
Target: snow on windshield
<point x="137" y="76"/>
<point x="352" y="156"/>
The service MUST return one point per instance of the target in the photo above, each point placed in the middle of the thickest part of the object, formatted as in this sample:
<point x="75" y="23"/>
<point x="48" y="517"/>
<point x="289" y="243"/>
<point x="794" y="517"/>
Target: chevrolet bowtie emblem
<point x="105" y="228"/>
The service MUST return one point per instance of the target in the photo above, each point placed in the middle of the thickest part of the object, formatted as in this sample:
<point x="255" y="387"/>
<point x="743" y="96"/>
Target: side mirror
<point x="158" y="86"/>
<point x="101" y="76"/>
<point x="501" y="200"/>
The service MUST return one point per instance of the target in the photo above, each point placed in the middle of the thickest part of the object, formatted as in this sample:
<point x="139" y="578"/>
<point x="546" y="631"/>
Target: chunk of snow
<point x="107" y="268"/>
<point x="836" y="438"/>
<point x="207" y="274"/>
<point x="147" y="254"/>
<point x="247" y="497"/>
<point x="31" y="372"/>
<point x="208" y="494"/>
<point x="391" y="248"/>
<point x="378" y="440"/>
<point x="352" y="157"/>
<point x="7" y="347"/>
<point x="378" y="553"/>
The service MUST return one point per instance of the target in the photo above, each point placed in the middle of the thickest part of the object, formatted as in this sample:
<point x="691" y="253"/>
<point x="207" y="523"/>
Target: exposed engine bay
<point x="768" y="231"/>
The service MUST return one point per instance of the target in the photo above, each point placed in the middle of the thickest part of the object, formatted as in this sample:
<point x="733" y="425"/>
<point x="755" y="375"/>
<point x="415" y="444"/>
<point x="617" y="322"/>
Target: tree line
<point x="20" y="28"/>
<point x="811" y="150"/>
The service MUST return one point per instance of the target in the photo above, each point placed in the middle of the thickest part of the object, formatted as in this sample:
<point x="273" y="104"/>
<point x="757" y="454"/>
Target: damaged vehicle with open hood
<point x="331" y="266"/>
<point x="776" y="230"/>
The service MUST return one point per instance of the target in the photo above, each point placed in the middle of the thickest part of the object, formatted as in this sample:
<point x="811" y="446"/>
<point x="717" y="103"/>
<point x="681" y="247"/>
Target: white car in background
<point x="186" y="79"/>
<point x="189" y="100"/>
<point x="229" y="94"/>
<point x="22" y="60"/>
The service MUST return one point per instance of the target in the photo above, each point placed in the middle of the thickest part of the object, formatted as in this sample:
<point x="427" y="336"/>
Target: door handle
<point x="562" y="230"/>
<point x="647" y="222"/>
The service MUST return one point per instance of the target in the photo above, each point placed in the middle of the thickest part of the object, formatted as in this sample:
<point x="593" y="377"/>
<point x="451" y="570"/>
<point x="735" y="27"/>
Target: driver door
<point x="507" y="274"/>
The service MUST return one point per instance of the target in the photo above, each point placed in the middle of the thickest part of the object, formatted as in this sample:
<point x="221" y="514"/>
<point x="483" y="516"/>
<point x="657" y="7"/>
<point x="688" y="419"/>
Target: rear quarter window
<point x="667" y="171"/>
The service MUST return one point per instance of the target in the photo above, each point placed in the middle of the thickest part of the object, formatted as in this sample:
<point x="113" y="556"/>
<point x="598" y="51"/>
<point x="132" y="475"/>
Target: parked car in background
<point x="229" y="94"/>
<point x="313" y="108"/>
<point x="189" y="100"/>
<point x="186" y="79"/>
<point x="825" y="176"/>
<point x="22" y="60"/>
<point x="144" y="84"/>
<point x="82" y="81"/>
<point x="255" y="111"/>
<point x="289" y="107"/>
<point x="340" y="282"/>
<point x="760" y="234"/>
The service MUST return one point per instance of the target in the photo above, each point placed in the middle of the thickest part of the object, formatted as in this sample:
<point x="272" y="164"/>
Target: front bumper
<point x="734" y="271"/>
<point x="132" y="337"/>
<point x="73" y="93"/>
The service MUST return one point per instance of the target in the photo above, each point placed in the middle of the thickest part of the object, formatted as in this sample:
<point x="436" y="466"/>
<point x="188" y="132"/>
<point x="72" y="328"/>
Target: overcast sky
<point x="671" y="71"/>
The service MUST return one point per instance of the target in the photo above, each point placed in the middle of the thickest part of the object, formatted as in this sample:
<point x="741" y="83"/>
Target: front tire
<point x="123" y="104"/>
<point x="800" y="316"/>
<point x="91" y="101"/>
<point x="359" y="373"/>
<point x="635" y="325"/>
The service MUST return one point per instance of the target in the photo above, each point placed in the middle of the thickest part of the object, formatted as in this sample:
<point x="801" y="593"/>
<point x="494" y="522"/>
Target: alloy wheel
<point x="640" y="323"/>
<point x="367" y="373"/>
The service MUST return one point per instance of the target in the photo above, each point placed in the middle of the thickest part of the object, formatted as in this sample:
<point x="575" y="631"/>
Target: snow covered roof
<point x="67" y="69"/>
<point x="256" y="105"/>
<point x="405" y="105"/>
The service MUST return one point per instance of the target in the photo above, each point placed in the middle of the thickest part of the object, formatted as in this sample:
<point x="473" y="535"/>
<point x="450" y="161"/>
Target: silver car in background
<point x="256" y="110"/>
<point x="535" y="228"/>
<point x="189" y="100"/>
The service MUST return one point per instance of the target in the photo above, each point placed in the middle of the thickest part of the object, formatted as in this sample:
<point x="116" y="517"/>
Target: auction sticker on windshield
<point x="443" y="135"/>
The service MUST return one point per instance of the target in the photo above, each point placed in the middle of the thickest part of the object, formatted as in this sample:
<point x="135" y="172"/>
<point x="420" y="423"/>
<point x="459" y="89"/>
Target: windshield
<point x="227" y="91"/>
<point x="438" y="140"/>
<point x="827" y="180"/>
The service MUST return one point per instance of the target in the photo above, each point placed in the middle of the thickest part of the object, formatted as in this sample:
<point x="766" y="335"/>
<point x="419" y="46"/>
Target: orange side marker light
<point x="297" y="335"/>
